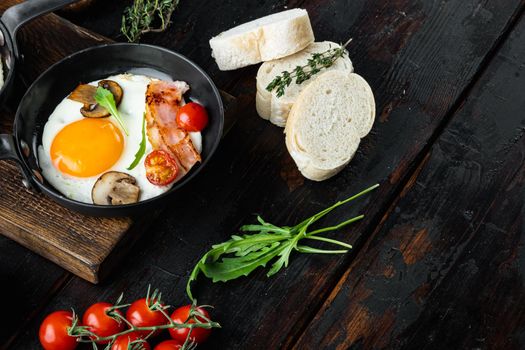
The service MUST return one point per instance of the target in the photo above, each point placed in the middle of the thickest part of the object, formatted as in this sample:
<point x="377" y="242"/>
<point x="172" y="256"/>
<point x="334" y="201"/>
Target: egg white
<point x="131" y="109"/>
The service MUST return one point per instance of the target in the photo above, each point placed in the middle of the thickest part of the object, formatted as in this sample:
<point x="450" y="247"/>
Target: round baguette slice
<point x="263" y="105"/>
<point x="267" y="38"/>
<point x="279" y="107"/>
<point x="327" y="122"/>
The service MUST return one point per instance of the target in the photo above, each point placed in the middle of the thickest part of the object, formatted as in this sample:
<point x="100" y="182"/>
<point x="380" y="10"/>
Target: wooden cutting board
<point x="87" y="246"/>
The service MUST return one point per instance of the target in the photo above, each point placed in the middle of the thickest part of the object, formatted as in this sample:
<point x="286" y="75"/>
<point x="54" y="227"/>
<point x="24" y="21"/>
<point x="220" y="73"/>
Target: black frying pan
<point x="92" y="64"/>
<point x="11" y="20"/>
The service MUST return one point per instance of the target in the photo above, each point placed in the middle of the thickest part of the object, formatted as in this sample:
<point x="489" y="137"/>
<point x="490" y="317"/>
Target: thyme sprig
<point x="146" y="16"/>
<point x="316" y="63"/>
<point x="196" y="319"/>
<point x="265" y="243"/>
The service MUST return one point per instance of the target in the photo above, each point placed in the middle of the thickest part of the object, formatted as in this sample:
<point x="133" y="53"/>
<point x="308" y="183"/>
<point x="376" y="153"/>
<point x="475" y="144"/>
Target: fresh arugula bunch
<point x="265" y="242"/>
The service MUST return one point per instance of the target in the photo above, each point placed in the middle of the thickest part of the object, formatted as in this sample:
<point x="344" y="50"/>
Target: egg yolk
<point x="87" y="147"/>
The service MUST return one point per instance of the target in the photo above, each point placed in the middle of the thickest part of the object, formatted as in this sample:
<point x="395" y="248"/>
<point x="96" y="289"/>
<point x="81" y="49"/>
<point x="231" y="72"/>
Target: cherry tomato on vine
<point x="161" y="168"/>
<point x="53" y="332"/>
<point x="192" y="117"/>
<point x="100" y="323"/>
<point x="169" y="345"/>
<point x="181" y="315"/>
<point x="140" y="315"/>
<point x="122" y="342"/>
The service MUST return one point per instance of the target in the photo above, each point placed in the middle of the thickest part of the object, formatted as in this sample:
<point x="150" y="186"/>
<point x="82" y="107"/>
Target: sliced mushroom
<point x="114" y="88"/>
<point x="85" y="93"/>
<point x="115" y="188"/>
<point x="94" y="111"/>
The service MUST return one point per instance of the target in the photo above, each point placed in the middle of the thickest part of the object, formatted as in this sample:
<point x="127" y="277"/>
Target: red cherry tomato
<point x="100" y="323"/>
<point x="169" y="345"/>
<point x="181" y="315"/>
<point x="161" y="168"/>
<point x="53" y="332"/>
<point x="140" y="315"/>
<point x="122" y="342"/>
<point x="192" y="117"/>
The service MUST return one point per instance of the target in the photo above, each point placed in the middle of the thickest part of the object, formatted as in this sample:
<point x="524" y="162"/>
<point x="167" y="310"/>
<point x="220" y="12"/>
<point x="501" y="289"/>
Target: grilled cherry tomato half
<point x="181" y="315"/>
<point x="123" y="341"/>
<point x="53" y="332"/>
<point x="98" y="321"/>
<point x="169" y="345"/>
<point x="140" y="315"/>
<point x="192" y="117"/>
<point x="161" y="168"/>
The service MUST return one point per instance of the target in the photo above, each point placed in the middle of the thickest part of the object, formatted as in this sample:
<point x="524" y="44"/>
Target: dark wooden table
<point x="438" y="262"/>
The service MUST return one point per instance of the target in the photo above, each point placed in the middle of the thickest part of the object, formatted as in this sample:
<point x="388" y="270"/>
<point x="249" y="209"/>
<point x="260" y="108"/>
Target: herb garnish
<point x="316" y="63"/>
<point x="142" y="148"/>
<point x="105" y="98"/>
<point x="139" y="18"/>
<point x="241" y="255"/>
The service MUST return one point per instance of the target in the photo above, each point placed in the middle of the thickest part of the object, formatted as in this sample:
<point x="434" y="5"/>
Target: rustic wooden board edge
<point x="69" y="38"/>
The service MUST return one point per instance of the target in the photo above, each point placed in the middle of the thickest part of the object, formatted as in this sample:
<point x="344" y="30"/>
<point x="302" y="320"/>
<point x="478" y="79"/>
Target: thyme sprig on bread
<point x="316" y="64"/>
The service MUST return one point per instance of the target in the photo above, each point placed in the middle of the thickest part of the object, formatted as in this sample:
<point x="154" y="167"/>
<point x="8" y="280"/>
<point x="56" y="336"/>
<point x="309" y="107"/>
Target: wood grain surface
<point x="78" y="243"/>
<point x="444" y="270"/>
<point x="423" y="59"/>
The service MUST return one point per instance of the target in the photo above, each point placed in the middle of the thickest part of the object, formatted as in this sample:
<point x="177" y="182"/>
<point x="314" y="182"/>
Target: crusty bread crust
<point x="327" y="122"/>
<point x="279" y="107"/>
<point x="266" y="38"/>
<point x="262" y="105"/>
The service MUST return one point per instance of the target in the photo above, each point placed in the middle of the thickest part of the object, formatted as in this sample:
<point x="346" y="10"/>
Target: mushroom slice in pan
<point x="85" y="94"/>
<point x="114" y="88"/>
<point x="115" y="188"/>
<point x="94" y="111"/>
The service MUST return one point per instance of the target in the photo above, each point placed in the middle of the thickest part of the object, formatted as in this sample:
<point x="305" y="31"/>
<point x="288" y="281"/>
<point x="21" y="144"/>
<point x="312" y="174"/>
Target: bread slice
<point x="327" y="122"/>
<point x="263" y="106"/>
<point x="276" y="109"/>
<point x="267" y="38"/>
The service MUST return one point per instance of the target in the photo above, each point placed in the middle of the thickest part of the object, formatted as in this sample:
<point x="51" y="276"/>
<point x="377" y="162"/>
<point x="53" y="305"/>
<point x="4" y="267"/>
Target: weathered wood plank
<point x="445" y="270"/>
<point x="416" y="83"/>
<point x="419" y="58"/>
<point x="27" y="278"/>
<point x="80" y="244"/>
<point x="61" y="38"/>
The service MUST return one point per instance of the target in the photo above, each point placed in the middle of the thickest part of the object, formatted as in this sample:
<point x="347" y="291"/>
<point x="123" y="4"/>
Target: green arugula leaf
<point x="142" y="147"/>
<point x="231" y="268"/>
<point x="242" y="254"/>
<point x="105" y="98"/>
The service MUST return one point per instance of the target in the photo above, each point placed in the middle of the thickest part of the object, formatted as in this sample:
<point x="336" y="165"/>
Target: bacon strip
<point x="163" y="100"/>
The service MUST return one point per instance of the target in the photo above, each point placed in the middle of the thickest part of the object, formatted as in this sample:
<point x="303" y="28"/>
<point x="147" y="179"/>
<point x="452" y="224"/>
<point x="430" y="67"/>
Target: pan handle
<point x="8" y="152"/>
<point x="17" y="15"/>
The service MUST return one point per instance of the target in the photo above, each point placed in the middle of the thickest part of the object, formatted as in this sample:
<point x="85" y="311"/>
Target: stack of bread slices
<point x="324" y="117"/>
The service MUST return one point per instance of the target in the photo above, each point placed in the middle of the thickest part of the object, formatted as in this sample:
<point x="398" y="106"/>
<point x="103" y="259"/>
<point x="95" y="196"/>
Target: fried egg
<point x="76" y="151"/>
